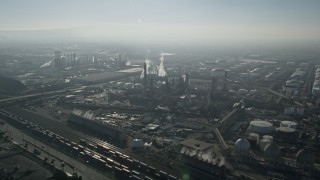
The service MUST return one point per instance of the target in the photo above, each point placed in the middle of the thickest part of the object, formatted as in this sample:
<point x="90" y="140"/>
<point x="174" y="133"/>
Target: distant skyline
<point x="164" y="21"/>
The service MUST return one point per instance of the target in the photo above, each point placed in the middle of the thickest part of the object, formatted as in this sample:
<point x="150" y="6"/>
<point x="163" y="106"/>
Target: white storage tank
<point x="128" y="85"/>
<point x="254" y="136"/>
<point x="289" y="124"/>
<point x="264" y="143"/>
<point x="231" y="91"/>
<point x="305" y="157"/>
<point x="268" y="137"/>
<point x="218" y="73"/>
<point x="138" y="86"/>
<point x="243" y="91"/>
<point x="253" y="92"/>
<point x="286" y="132"/>
<point x="120" y="84"/>
<point x="242" y="146"/>
<point x="113" y="83"/>
<point x="261" y="127"/>
<point x="292" y="83"/>
<point x="291" y="63"/>
<point x="272" y="151"/>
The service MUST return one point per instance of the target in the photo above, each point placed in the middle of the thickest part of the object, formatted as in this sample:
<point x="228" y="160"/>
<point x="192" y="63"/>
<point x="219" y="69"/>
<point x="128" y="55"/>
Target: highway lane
<point x="38" y="94"/>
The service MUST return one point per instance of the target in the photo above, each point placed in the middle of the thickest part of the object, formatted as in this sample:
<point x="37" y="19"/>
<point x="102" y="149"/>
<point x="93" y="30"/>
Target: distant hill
<point x="9" y="85"/>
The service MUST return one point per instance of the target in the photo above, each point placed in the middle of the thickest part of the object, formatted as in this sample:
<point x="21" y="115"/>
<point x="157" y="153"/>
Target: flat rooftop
<point x="196" y="144"/>
<point x="132" y="70"/>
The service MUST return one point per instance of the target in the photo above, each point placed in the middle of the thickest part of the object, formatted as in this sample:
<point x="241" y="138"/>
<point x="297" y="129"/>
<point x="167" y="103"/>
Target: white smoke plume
<point x="184" y="77"/>
<point x="162" y="72"/>
<point x="45" y="64"/>
<point x="147" y="61"/>
<point x="150" y="68"/>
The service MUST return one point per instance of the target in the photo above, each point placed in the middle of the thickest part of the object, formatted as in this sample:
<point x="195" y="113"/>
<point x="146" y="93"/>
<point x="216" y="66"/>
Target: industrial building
<point x="105" y="76"/>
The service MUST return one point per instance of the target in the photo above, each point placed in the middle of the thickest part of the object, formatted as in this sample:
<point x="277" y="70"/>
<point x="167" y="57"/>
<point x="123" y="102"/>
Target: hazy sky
<point x="185" y="21"/>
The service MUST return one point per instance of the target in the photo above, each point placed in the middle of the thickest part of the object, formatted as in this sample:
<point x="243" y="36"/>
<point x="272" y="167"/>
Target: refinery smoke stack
<point x="162" y="72"/>
<point x="145" y="75"/>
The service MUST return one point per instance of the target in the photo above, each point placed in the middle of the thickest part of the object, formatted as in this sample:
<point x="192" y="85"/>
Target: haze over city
<point x="182" y="22"/>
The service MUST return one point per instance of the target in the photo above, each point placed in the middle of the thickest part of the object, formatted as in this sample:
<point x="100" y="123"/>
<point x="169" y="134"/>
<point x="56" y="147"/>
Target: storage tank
<point x="253" y="92"/>
<point x="242" y="146"/>
<point x="291" y="63"/>
<point x="286" y="133"/>
<point x="255" y="137"/>
<point x="138" y="86"/>
<point x="264" y="143"/>
<point x="289" y="124"/>
<point x="305" y="158"/>
<point x="272" y="151"/>
<point x="113" y="83"/>
<point x="120" y="84"/>
<point x="128" y="85"/>
<point x="268" y="137"/>
<point x="218" y="73"/>
<point x="243" y="91"/>
<point x="292" y="83"/>
<point x="261" y="127"/>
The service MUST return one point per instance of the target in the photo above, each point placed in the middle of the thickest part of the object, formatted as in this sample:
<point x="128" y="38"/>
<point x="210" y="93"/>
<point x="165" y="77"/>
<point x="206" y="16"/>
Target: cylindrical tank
<point x="264" y="143"/>
<point x="286" y="133"/>
<point x="128" y="85"/>
<point x="255" y="137"/>
<point x="242" y="146"/>
<point x="268" y="137"/>
<point x="289" y="124"/>
<point x="292" y="83"/>
<point x="120" y="84"/>
<point x="261" y="127"/>
<point x="138" y="86"/>
<point x="218" y="73"/>
<point x="243" y="91"/>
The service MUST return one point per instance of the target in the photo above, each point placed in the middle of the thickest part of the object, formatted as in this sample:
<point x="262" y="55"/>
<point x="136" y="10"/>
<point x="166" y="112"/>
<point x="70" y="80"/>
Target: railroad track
<point x="75" y="135"/>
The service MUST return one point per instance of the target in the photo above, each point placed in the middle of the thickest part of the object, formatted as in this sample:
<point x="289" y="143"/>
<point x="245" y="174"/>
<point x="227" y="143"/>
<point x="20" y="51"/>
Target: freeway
<point x="36" y="95"/>
<point x="29" y="96"/>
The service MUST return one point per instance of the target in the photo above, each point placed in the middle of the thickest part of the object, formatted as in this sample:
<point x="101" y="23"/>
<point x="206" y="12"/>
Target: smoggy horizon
<point x="162" y="22"/>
